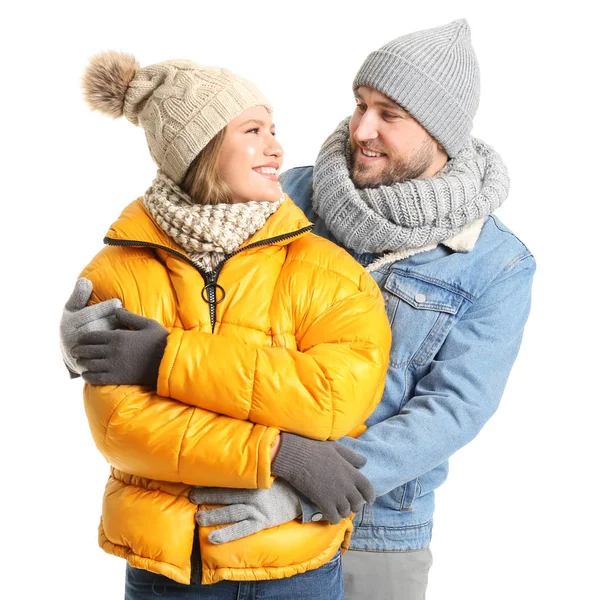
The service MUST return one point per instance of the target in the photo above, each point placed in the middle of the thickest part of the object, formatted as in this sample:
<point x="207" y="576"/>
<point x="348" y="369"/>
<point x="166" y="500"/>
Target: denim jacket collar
<point x="462" y="242"/>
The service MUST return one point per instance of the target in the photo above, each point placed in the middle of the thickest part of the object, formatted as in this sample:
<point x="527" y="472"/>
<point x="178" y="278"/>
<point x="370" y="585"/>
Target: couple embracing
<point x="278" y="367"/>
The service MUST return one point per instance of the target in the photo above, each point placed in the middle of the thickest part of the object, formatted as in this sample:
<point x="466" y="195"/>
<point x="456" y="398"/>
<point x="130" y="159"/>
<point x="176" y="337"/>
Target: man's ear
<point x="441" y="149"/>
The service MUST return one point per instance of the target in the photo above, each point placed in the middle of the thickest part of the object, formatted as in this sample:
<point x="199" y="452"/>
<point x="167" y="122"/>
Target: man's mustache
<point x="370" y="147"/>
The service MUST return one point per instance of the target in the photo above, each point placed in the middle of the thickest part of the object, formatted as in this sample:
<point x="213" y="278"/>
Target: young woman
<point x="238" y="324"/>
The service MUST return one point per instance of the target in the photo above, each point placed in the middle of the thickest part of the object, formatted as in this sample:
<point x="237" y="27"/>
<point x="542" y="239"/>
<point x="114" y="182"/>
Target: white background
<point x="512" y="520"/>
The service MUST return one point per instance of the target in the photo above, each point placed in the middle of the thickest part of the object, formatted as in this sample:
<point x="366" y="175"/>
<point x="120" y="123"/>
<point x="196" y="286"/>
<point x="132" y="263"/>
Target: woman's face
<point x="251" y="158"/>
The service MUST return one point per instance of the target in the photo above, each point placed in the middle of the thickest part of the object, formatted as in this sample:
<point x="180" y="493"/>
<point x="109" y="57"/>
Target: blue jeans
<point x="325" y="583"/>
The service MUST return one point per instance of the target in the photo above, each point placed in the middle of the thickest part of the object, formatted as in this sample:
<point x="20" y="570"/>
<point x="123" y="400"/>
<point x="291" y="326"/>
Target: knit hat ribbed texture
<point x="180" y="105"/>
<point x="433" y="74"/>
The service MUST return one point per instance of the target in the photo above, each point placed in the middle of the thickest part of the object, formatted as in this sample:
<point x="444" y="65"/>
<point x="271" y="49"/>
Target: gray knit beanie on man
<point x="432" y="74"/>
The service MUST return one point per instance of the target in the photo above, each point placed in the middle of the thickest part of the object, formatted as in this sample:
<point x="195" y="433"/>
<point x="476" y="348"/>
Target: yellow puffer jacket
<point x="300" y="343"/>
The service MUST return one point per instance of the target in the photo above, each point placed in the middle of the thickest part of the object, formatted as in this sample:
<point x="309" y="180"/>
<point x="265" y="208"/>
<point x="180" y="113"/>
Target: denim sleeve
<point x="310" y="512"/>
<point x="461" y="390"/>
<point x="297" y="184"/>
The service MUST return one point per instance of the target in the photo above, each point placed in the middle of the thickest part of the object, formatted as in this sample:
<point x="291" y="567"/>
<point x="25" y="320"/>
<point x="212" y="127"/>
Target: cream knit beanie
<point x="180" y="105"/>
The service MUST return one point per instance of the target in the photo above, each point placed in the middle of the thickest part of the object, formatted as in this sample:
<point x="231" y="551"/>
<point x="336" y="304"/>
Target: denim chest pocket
<point x="421" y="314"/>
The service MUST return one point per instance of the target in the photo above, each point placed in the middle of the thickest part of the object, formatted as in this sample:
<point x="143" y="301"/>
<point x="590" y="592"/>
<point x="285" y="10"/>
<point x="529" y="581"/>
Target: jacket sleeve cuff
<point x="264" y="476"/>
<point x="173" y="344"/>
<point x="310" y="512"/>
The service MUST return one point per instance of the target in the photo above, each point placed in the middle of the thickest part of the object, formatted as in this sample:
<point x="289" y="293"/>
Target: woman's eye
<point x="256" y="130"/>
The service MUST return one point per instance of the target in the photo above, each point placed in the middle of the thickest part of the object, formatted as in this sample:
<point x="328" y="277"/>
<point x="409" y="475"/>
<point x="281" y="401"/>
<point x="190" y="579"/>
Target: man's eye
<point x="390" y="116"/>
<point x="361" y="107"/>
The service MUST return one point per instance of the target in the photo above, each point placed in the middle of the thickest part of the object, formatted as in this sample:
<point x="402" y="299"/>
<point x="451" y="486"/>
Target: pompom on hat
<point x="180" y="105"/>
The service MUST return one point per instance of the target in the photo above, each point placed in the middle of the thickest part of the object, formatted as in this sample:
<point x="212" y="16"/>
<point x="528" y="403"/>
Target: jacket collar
<point x="467" y="238"/>
<point x="135" y="224"/>
<point x="464" y="241"/>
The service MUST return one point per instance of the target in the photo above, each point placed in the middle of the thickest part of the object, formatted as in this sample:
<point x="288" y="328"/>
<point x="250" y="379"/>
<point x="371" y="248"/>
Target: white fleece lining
<point x="462" y="242"/>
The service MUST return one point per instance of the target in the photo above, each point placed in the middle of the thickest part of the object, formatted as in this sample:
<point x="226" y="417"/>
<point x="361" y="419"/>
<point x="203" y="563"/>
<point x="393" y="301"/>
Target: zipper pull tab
<point x="209" y="293"/>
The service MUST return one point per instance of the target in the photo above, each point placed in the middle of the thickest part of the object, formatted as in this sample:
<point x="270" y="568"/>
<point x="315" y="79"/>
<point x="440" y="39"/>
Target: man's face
<point x="388" y="145"/>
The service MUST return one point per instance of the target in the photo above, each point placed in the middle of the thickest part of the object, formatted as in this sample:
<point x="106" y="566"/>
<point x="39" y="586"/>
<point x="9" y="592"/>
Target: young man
<point x="404" y="187"/>
<point x="410" y="194"/>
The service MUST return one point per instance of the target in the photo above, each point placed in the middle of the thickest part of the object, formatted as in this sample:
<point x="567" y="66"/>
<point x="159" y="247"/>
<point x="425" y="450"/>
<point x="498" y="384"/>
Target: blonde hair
<point x="202" y="181"/>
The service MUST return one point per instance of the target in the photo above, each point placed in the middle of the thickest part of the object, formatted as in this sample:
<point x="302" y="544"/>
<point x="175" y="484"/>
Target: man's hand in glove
<point x="123" y="356"/>
<point x="326" y="473"/>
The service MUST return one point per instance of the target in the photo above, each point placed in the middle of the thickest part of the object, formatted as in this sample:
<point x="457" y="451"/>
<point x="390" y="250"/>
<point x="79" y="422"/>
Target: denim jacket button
<point x="317" y="517"/>
<point x="420" y="298"/>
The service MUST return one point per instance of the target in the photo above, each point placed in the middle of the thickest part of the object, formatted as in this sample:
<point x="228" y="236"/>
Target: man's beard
<point x="396" y="170"/>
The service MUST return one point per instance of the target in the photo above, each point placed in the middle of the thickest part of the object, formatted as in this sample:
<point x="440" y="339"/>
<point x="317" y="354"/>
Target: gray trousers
<point x="386" y="575"/>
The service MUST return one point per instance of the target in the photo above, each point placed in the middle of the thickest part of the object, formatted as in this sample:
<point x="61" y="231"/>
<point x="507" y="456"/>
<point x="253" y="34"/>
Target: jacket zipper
<point x="210" y="278"/>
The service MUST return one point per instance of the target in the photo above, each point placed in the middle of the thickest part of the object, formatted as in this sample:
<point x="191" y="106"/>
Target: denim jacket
<point x="457" y="322"/>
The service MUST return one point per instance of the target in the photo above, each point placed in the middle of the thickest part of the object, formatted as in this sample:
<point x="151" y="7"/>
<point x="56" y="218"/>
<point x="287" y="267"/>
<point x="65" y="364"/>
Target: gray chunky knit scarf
<point x="411" y="214"/>
<point x="206" y="232"/>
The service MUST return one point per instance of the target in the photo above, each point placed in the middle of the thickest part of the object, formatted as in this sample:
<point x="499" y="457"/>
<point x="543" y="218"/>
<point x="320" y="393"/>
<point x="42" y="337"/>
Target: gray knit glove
<point x="77" y="318"/>
<point x="122" y="356"/>
<point x="326" y="473"/>
<point x="249" y="511"/>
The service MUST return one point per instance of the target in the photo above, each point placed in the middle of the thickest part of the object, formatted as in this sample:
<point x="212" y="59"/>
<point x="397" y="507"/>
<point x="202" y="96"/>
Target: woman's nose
<point x="274" y="148"/>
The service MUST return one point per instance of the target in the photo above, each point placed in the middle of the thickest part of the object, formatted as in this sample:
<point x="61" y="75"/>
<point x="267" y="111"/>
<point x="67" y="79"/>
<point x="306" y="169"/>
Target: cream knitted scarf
<point x="206" y="232"/>
<point x="408" y="215"/>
